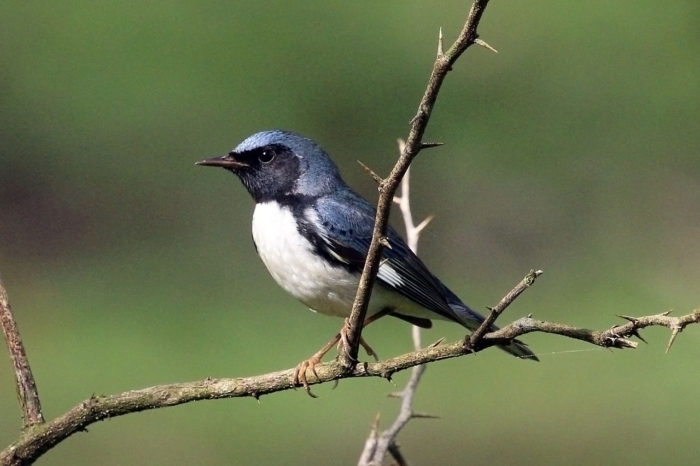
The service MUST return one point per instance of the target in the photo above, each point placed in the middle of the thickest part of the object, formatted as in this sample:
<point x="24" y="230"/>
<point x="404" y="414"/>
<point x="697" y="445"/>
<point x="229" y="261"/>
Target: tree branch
<point x="378" y="444"/>
<point x="475" y="338"/>
<point x="387" y="187"/>
<point x="26" y="387"/>
<point x="40" y="438"/>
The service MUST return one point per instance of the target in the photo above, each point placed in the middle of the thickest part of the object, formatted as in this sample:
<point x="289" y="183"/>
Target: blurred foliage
<point x="574" y="150"/>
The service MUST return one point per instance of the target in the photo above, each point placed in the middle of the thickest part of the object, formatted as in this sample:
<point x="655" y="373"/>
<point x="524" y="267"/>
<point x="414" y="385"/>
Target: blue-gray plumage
<point x="312" y="231"/>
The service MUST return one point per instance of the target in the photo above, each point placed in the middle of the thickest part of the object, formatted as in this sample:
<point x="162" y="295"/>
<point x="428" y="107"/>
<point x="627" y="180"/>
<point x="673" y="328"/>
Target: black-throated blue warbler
<point x="312" y="232"/>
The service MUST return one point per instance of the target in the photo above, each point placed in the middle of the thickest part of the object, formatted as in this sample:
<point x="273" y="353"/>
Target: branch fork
<point x="388" y="186"/>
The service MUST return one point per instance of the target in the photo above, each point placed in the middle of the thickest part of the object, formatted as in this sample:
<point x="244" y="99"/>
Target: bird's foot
<point x="300" y="373"/>
<point x="302" y="370"/>
<point x="344" y="343"/>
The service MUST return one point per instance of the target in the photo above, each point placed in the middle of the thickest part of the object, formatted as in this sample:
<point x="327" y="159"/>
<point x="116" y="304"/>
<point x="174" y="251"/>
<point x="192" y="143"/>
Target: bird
<point x="312" y="232"/>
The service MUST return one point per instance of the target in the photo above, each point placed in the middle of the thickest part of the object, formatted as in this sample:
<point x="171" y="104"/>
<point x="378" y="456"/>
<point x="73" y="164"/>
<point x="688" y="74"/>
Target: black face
<point x="269" y="172"/>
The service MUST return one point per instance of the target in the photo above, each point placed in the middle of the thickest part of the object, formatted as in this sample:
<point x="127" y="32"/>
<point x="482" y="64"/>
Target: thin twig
<point x="377" y="444"/>
<point x="26" y="386"/>
<point x="474" y="339"/>
<point x="370" y="443"/>
<point x="442" y="65"/>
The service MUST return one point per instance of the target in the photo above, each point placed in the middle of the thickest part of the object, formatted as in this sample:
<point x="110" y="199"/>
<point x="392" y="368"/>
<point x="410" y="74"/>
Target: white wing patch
<point x="389" y="275"/>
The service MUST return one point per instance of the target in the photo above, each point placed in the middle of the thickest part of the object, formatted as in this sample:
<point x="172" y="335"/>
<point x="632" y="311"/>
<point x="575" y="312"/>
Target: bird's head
<point x="274" y="164"/>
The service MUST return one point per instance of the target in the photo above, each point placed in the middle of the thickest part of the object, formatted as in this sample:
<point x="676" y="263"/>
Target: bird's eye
<point x="266" y="156"/>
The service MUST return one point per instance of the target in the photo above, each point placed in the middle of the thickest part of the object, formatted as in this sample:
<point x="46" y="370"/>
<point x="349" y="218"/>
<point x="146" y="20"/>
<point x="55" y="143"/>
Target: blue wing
<point x="343" y="231"/>
<point x="340" y="228"/>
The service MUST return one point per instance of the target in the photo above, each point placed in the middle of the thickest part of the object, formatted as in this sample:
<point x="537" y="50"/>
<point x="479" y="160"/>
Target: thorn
<point x="437" y="343"/>
<point x="385" y="242"/>
<point x="378" y="179"/>
<point x="395" y="395"/>
<point x="485" y="45"/>
<point x="440" y="52"/>
<point x="398" y="200"/>
<point x="634" y="320"/>
<point x="387" y="375"/>
<point x="430" y="145"/>
<point x="635" y="333"/>
<point x="424" y="416"/>
<point x="424" y="223"/>
<point x="674" y="333"/>
<point x="666" y="313"/>
<point x="396" y="454"/>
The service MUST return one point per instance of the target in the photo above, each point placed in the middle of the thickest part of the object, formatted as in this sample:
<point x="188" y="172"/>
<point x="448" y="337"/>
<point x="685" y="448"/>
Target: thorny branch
<point x="379" y="443"/>
<point x="42" y="437"/>
<point x="387" y="187"/>
<point x="475" y="338"/>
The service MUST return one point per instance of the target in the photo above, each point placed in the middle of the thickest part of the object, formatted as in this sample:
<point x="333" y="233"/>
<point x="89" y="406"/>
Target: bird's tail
<point x="519" y="349"/>
<point x="472" y="320"/>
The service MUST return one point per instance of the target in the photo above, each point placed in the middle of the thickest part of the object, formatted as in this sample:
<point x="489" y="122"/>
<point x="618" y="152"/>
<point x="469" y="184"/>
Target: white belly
<point x="290" y="259"/>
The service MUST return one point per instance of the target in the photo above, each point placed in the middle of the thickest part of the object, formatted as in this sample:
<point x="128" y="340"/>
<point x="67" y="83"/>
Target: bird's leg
<point x="344" y="343"/>
<point x="368" y="349"/>
<point x="310" y="364"/>
<point x="341" y="340"/>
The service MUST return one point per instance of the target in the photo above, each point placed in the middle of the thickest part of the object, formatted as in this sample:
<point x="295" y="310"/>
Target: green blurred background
<point x="574" y="150"/>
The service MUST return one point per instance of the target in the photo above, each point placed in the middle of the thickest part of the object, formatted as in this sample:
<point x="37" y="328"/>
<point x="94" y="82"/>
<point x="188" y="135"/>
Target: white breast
<point x="291" y="260"/>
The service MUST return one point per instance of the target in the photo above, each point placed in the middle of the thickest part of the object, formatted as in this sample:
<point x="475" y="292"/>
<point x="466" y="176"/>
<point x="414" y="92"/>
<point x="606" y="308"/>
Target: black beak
<point x="225" y="161"/>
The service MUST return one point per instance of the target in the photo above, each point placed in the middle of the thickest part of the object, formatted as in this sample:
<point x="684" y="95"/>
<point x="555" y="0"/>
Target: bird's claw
<point x="300" y="374"/>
